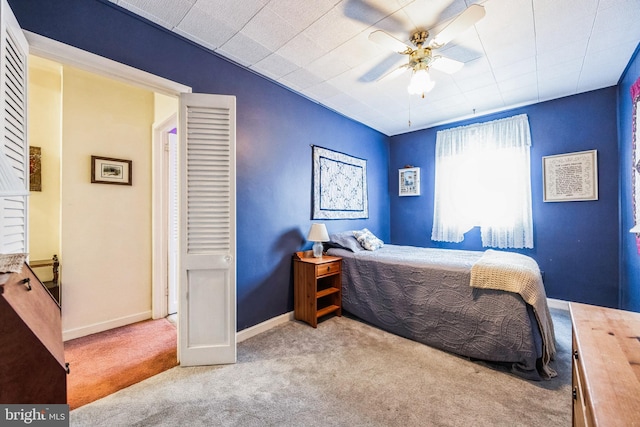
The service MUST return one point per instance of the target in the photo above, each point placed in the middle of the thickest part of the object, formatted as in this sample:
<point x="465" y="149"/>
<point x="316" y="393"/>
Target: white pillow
<point x="368" y="240"/>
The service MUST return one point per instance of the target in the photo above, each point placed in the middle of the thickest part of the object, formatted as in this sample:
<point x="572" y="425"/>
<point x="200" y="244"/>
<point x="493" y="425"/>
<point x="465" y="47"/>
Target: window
<point x="483" y="178"/>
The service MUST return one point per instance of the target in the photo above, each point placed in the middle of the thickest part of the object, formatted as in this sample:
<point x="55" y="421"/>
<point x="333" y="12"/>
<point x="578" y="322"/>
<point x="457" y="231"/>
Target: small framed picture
<point x="107" y="170"/>
<point x="409" y="179"/>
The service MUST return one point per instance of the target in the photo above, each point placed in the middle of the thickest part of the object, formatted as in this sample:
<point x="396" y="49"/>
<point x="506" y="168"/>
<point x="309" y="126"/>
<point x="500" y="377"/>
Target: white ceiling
<point x="521" y="52"/>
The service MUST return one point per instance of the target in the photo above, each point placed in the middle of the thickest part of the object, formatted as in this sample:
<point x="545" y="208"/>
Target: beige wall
<point x="164" y="107"/>
<point x="101" y="232"/>
<point x="45" y="104"/>
<point x="106" y="229"/>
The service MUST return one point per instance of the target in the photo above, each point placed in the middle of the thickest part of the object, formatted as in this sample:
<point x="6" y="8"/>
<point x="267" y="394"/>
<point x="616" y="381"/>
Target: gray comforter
<point x="424" y="294"/>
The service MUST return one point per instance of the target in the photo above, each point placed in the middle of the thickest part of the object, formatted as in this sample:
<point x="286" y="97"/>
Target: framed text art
<point x="339" y="185"/>
<point x="409" y="182"/>
<point x="107" y="170"/>
<point x="571" y="177"/>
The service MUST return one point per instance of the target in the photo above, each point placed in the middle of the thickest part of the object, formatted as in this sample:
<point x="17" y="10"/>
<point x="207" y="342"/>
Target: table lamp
<point x="318" y="234"/>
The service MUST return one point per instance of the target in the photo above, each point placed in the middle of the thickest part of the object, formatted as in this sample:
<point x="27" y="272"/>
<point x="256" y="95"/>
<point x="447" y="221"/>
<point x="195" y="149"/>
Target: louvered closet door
<point x="13" y="98"/>
<point x="207" y="306"/>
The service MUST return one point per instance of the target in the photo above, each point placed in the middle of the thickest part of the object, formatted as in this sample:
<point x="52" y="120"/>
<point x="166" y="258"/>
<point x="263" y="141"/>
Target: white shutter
<point x="13" y="98"/>
<point x="208" y="180"/>
<point x="207" y="317"/>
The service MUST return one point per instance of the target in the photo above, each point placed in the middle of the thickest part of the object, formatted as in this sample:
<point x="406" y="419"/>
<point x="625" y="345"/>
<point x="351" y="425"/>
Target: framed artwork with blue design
<point x="409" y="181"/>
<point x="339" y="185"/>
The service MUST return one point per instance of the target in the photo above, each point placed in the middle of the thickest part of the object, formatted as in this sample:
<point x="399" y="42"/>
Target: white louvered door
<point x="207" y="254"/>
<point x="13" y="98"/>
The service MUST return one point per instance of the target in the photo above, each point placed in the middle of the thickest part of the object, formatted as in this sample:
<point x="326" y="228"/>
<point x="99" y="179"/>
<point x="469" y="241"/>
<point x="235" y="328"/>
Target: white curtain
<point x="483" y="178"/>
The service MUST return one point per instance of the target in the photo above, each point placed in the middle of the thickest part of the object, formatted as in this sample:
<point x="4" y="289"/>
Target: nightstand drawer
<point x="329" y="268"/>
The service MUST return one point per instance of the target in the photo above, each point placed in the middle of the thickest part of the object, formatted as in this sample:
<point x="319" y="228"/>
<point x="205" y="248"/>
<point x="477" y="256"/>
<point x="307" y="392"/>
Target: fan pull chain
<point x="409" y="98"/>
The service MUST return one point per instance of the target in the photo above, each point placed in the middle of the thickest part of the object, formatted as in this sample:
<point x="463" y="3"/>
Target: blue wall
<point x="275" y="128"/>
<point x="629" y="256"/>
<point x="575" y="243"/>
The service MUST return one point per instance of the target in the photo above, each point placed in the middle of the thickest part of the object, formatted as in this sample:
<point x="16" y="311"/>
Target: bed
<point x="425" y="294"/>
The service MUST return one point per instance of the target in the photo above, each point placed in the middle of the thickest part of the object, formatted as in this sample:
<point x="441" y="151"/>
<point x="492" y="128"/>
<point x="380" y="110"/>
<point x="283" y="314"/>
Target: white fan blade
<point x="466" y="19"/>
<point x="446" y="65"/>
<point x="395" y="73"/>
<point x="388" y="41"/>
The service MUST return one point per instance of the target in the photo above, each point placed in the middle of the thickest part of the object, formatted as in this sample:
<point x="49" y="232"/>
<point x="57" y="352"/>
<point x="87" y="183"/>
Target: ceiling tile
<point x="234" y="14"/>
<point x="328" y="66"/>
<point x="204" y="29"/>
<point x="550" y="10"/>
<point x="477" y="82"/>
<point x="321" y="91"/>
<point x="562" y="30"/>
<point x="428" y="14"/>
<point x="359" y="49"/>
<point x="518" y="81"/>
<point x="269" y="29"/>
<point x="300" y="79"/>
<point x="514" y="69"/>
<point x="520" y="95"/>
<point x="333" y="29"/>
<point x="274" y="66"/>
<point x="557" y="88"/>
<point x="301" y="50"/>
<point x="472" y="68"/>
<point x="301" y="14"/>
<point x="562" y="52"/>
<point x="510" y="55"/>
<point x="167" y="13"/>
<point x="560" y="70"/>
<point x="368" y="12"/>
<point x="244" y="50"/>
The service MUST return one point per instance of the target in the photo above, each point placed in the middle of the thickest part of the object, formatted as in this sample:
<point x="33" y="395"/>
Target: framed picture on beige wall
<point x="107" y="170"/>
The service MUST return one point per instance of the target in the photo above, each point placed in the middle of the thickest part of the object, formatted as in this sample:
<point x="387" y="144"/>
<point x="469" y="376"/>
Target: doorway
<point x="99" y="303"/>
<point x="165" y="213"/>
<point x="172" y="232"/>
<point x="210" y="275"/>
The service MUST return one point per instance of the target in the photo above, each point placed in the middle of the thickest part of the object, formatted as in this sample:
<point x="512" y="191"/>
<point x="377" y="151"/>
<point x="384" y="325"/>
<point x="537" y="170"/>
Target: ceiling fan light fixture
<point x="420" y="82"/>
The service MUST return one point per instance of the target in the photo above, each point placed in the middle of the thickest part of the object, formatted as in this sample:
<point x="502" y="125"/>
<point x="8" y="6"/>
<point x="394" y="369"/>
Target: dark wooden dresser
<point x="32" y="366"/>
<point x="606" y="366"/>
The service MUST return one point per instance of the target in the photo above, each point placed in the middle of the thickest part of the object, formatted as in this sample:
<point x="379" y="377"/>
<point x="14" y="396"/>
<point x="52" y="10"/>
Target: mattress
<point x="424" y="294"/>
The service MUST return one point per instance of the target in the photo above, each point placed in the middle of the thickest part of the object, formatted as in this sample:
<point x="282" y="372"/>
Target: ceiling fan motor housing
<point x="419" y="37"/>
<point x="420" y="56"/>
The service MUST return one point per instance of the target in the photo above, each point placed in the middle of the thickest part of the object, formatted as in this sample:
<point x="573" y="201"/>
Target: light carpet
<point x="344" y="373"/>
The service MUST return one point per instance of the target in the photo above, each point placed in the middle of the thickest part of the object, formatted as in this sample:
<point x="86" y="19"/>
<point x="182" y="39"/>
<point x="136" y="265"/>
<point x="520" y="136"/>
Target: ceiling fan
<point x="421" y="56"/>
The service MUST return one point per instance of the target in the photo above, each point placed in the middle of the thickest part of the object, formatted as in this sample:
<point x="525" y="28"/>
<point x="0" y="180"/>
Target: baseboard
<point x="104" y="326"/>
<point x="558" y="303"/>
<point x="264" y="326"/>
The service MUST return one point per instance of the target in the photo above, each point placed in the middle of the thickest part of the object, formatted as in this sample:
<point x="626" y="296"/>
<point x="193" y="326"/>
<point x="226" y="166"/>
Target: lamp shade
<point x="420" y="82"/>
<point x="318" y="233"/>
<point x="10" y="184"/>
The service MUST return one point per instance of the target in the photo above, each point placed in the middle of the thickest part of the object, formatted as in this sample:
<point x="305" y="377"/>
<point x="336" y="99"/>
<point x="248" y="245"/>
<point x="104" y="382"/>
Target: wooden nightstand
<point x="317" y="286"/>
